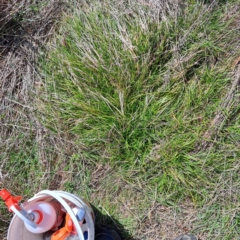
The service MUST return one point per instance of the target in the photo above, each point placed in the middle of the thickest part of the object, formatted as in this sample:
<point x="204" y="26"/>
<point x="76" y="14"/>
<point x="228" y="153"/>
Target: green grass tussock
<point x="139" y="90"/>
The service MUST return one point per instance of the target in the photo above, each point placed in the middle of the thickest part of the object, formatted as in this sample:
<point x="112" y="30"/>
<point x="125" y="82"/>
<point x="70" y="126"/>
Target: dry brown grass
<point x="23" y="35"/>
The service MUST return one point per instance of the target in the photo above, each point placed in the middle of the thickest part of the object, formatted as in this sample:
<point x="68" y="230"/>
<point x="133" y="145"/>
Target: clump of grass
<point x="138" y="90"/>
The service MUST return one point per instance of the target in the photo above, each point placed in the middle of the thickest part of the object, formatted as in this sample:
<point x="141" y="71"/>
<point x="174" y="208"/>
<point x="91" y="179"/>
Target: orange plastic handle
<point x="65" y="231"/>
<point x="10" y="200"/>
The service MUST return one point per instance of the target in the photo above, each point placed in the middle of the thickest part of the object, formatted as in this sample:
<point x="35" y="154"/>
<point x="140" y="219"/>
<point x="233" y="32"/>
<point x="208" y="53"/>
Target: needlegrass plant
<point x="138" y="91"/>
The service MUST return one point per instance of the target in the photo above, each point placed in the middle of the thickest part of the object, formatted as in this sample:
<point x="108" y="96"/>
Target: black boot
<point x="186" y="237"/>
<point x="107" y="234"/>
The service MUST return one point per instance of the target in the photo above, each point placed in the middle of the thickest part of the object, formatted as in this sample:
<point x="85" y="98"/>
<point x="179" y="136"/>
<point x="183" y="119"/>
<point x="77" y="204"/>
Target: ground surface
<point x="133" y="105"/>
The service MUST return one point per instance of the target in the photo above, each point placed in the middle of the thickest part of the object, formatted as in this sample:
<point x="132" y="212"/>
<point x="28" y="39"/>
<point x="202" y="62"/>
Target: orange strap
<point x="65" y="231"/>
